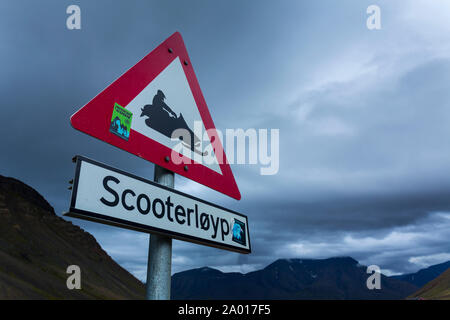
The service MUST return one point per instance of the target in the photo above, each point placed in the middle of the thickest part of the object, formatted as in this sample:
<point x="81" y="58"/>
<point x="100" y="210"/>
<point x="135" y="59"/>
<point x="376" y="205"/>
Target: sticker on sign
<point x="111" y="196"/>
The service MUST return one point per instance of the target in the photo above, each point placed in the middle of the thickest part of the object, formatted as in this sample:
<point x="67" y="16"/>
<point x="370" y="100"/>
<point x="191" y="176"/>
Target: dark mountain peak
<point x="11" y="188"/>
<point x="343" y="260"/>
<point x="332" y="278"/>
<point x="283" y="263"/>
<point x="208" y="270"/>
<point x="280" y="264"/>
<point x="203" y="272"/>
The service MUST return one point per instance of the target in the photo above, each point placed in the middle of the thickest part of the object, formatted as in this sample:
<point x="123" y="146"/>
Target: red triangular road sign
<point x="162" y="93"/>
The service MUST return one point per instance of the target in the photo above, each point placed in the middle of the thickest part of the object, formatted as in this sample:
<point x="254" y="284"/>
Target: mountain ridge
<point x="425" y="275"/>
<point x="291" y="279"/>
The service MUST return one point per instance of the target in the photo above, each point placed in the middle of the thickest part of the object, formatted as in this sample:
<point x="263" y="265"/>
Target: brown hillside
<point x="437" y="289"/>
<point x="37" y="246"/>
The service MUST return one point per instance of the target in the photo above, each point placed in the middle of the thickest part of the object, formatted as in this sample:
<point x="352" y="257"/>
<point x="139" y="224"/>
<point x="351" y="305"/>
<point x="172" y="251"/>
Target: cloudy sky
<point x="363" y="117"/>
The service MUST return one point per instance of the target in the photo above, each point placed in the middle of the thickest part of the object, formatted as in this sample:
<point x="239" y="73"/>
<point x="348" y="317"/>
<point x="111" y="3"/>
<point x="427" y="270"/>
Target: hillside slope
<point x="437" y="289"/>
<point x="37" y="246"/>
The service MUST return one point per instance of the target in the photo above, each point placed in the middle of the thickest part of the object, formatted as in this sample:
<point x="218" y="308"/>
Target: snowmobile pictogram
<point x="162" y="118"/>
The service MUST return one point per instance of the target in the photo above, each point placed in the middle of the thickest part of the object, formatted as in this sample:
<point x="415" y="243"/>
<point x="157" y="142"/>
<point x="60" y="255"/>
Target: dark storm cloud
<point x="362" y="116"/>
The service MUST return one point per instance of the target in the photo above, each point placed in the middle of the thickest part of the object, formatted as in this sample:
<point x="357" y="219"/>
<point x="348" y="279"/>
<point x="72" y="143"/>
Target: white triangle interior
<point x="172" y="81"/>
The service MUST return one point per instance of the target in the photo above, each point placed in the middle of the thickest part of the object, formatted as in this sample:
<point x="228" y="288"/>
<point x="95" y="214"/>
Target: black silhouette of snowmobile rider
<point x="164" y="120"/>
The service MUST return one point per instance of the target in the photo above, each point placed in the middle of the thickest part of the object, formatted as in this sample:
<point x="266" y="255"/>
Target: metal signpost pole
<point x="159" y="266"/>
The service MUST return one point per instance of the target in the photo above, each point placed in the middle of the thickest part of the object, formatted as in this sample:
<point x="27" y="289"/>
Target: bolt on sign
<point x="111" y="196"/>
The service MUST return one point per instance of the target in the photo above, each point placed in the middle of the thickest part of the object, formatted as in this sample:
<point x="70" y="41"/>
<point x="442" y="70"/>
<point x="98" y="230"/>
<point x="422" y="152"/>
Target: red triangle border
<point x="94" y="118"/>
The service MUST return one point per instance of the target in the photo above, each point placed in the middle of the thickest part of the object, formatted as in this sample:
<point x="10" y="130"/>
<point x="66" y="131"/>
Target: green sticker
<point x="121" y="122"/>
